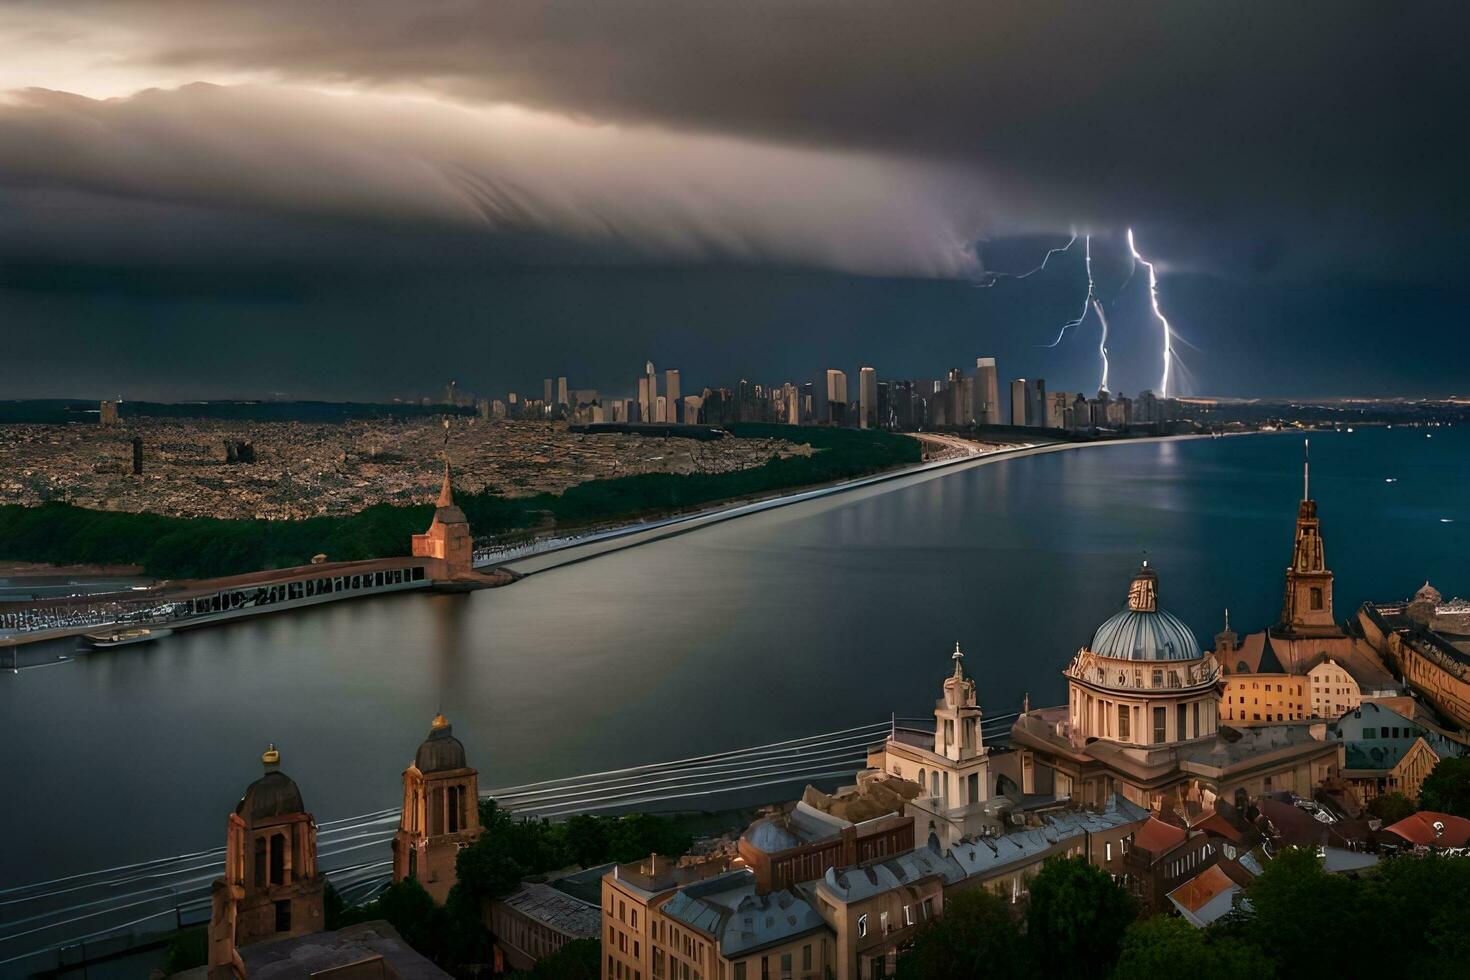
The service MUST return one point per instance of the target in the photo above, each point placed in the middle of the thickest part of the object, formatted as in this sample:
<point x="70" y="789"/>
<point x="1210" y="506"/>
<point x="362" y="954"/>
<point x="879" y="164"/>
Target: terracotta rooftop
<point x="1158" y="837"/>
<point x="1419" y="828"/>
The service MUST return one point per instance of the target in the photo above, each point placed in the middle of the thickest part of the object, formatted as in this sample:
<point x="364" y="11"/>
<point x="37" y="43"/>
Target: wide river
<point x="805" y="619"/>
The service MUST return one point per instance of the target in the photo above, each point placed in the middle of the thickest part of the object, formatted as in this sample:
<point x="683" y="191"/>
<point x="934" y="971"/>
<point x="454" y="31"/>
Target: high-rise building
<point x="546" y="391"/>
<point x="661" y="409"/>
<point x="1058" y="408"/>
<point x="835" y="411"/>
<point x="108" y="413"/>
<point x="1018" y="401"/>
<point x="987" y="392"/>
<point x="1036" y="402"/>
<point x="671" y="391"/>
<point x="561" y="391"/>
<point x="867" y="398"/>
<point x="1081" y="412"/>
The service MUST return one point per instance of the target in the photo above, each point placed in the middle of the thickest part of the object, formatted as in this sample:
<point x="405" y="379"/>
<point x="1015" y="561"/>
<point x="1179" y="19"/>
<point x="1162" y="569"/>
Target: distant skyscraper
<point x="561" y="391"/>
<point x="108" y="413"/>
<point x="1036" y="403"/>
<point x="546" y="391"/>
<point x="836" y="392"/>
<point x="1019" y="399"/>
<point x="987" y="392"/>
<point x="671" y="391"/>
<point x="867" y="398"/>
<point x="1058" y="404"/>
<point x="661" y="409"/>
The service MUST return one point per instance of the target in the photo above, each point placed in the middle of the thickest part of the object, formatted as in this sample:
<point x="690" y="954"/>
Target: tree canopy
<point x="1076" y="918"/>
<point x="1447" y="787"/>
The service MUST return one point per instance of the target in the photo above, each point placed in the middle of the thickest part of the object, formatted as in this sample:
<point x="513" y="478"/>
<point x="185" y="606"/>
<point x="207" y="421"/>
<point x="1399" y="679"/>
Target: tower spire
<point x="1306" y="469"/>
<point x="446" y="493"/>
<point x="957" y="656"/>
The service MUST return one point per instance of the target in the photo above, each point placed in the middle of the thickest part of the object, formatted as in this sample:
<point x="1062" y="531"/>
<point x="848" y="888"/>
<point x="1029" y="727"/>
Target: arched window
<point x="923" y="783"/>
<point x="278" y="859"/>
<point x="260" y="862"/>
<point x="455" y="804"/>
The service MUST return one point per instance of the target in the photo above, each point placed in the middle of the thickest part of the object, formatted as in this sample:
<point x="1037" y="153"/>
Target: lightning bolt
<point x="1087" y="301"/>
<point x="1102" y="344"/>
<point x="997" y="276"/>
<point x="1153" y="295"/>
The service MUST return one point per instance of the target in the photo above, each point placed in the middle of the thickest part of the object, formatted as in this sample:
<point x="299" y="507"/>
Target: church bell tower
<point x="1306" y="609"/>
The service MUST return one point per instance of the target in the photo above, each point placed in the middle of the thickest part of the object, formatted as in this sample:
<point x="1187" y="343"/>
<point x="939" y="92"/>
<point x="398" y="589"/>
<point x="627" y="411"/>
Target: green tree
<point x="1306" y="920"/>
<point x="1391" y="807"/>
<point x="1421" y="903"/>
<point x="586" y="839"/>
<point x="1447" y="787"/>
<point x="976" y="937"/>
<point x="579" y="959"/>
<point x="1076" y="918"/>
<point x="1163" y="946"/>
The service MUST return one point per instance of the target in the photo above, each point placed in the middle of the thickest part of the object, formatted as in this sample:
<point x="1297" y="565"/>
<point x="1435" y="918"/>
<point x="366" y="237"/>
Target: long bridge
<point x="80" y="918"/>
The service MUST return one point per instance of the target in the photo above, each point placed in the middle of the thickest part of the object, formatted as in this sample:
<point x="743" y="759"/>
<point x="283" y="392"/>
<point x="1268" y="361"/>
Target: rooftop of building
<point x="372" y="945"/>
<point x="848" y="885"/>
<point x="728" y="909"/>
<point x="1142" y="630"/>
<point x="981" y="855"/>
<point x="1158" y="838"/>
<point x="1432" y="829"/>
<point x="1206" y="897"/>
<point x="554" y="908"/>
<point x="819" y="816"/>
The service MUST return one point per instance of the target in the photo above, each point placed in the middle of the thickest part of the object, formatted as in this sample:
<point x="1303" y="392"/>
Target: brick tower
<point x="441" y="812"/>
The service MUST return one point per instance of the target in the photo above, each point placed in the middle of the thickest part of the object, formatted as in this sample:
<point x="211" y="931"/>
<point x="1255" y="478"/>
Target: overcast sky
<point x="362" y="200"/>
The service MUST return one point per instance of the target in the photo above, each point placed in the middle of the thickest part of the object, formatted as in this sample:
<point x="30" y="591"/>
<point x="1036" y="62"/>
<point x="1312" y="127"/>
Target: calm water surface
<point x="806" y="619"/>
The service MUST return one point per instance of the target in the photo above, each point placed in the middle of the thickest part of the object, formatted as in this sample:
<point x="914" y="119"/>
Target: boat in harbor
<point x="108" y="639"/>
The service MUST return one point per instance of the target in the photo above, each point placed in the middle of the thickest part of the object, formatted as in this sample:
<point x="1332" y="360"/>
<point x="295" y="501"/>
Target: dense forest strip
<point x="177" y="547"/>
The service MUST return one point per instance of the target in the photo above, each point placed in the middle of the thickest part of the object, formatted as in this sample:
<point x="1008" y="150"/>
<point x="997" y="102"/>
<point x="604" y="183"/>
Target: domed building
<point x="1143" y="679"/>
<point x="441" y="811"/>
<point x="271" y="888"/>
<point x="1141" y="719"/>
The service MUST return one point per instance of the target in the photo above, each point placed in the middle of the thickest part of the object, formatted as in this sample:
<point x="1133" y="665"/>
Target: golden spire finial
<point x="270" y="757"/>
<point x="439" y="723"/>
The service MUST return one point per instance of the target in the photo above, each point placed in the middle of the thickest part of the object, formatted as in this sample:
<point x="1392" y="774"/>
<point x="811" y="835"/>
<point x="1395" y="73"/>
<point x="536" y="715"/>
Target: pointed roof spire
<point x="1306" y="469"/>
<point x="1227" y="619"/>
<point x="446" y="494"/>
<point x="957" y="656"/>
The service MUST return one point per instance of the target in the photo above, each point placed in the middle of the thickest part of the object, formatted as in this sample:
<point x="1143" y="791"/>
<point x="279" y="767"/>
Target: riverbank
<point x="630" y="536"/>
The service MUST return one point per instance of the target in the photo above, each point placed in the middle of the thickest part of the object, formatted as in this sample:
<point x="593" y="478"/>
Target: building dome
<point x="441" y="751"/>
<point x="1428" y="593"/>
<point x="1143" y="631"/>
<point x="273" y="795"/>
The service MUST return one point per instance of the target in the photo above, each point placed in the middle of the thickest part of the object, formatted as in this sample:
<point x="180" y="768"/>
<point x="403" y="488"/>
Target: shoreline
<point x="615" y="539"/>
<point x="631" y="536"/>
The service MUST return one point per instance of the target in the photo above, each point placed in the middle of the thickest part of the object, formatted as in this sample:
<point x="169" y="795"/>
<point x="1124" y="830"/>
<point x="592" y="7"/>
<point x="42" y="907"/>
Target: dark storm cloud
<point x="404" y="172"/>
<point x="1255" y="134"/>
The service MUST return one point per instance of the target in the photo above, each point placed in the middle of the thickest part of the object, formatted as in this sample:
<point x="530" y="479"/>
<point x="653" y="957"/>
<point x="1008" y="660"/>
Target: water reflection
<point x="810" y="618"/>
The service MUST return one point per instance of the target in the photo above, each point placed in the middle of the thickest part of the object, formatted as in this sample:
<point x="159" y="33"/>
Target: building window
<point x="1160" y="720"/>
<point x="1123" y="734"/>
<point x="883" y="922"/>
<point x="740" y="971"/>
<point x="283" y="915"/>
<point x="806" y="957"/>
<point x="260" y="861"/>
<point x="1316" y="598"/>
<point x="862" y="925"/>
<point x="278" y="859"/>
<point x="1108" y="851"/>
